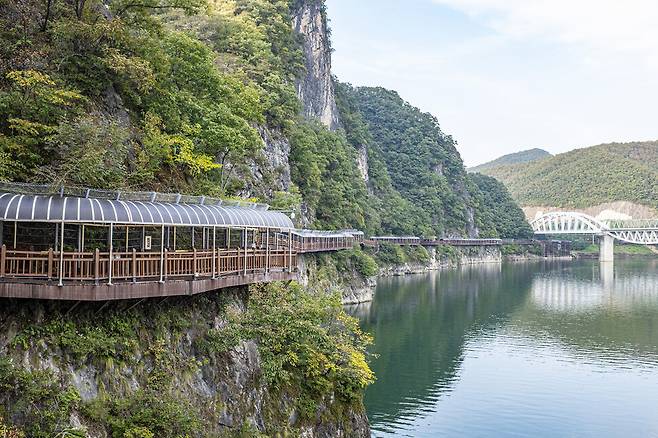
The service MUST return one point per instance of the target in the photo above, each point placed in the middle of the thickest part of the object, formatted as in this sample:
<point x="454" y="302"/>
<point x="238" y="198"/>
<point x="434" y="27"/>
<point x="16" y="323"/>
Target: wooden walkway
<point x="101" y="275"/>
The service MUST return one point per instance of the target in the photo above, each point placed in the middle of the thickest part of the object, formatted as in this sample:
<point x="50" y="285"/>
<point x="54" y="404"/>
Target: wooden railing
<point x="141" y="266"/>
<point x="316" y="244"/>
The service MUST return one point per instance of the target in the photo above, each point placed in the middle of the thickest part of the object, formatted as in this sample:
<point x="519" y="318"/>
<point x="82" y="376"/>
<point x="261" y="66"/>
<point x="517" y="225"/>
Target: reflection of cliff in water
<point x="424" y="322"/>
<point x="596" y="311"/>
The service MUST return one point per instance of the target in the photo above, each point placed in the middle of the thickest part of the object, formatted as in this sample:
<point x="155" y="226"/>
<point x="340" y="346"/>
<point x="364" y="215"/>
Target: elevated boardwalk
<point x="91" y="245"/>
<point x="141" y="245"/>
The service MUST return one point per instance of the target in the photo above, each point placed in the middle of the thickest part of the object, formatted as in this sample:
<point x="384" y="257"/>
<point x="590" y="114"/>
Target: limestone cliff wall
<point x="158" y="355"/>
<point x="315" y="88"/>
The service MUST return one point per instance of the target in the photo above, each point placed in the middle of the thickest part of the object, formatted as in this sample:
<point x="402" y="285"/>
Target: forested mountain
<point x="205" y="98"/>
<point x="227" y="98"/>
<point x="412" y="159"/>
<point x="500" y="209"/>
<point x="586" y="177"/>
<point x="514" y="158"/>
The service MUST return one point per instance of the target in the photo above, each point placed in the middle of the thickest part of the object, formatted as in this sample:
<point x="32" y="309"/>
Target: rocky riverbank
<point x="356" y="288"/>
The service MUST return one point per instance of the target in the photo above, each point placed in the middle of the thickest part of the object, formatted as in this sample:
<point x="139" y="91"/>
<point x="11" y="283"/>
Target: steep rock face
<point x="270" y="171"/>
<point x="166" y="349"/>
<point x="315" y="88"/>
<point x="362" y="163"/>
<point x="459" y="257"/>
<point x="320" y="274"/>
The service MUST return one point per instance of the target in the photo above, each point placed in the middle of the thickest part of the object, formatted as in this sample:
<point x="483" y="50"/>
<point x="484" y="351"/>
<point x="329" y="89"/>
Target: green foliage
<point x="620" y="249"/>
<point x="146" y="413"/>
<point x="391" y="213"/>
<point x="115" y="339"/>
<point x="153" y="98"/>
<point x="355" y="260"/>
<point x="417" y="254"/>
<point x="515" y="158"/>
<point x="447" y="252"/>
<point x="423" y="163"/>
<point x="323" y="167"/>
<point x="586" y="177"/>
<point x="307" y="342"/>
<point x="416" y="177"/>
<point x="38" y="401"/>
<point x="9" y="431"/>
<point x="500" y="210"/>
<point x="389" y="254"/>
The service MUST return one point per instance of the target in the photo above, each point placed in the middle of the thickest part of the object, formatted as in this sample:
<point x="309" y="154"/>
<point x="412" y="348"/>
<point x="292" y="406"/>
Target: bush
<point x="43" y="404"/>
<point x="355" y="260"/>
<point x="306" y="341"/>
<point x="365" y="264"/>
<point x="389" y="254"/>
<point x="417" y="254"/>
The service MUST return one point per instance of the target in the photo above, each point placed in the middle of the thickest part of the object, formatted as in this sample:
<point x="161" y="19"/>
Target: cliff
<point x="315" y="87"/>
<point x="185" y="366"/>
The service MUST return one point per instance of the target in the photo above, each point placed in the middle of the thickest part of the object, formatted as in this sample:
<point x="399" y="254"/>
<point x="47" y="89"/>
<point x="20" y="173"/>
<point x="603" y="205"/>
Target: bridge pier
<point x="606" y="248"/>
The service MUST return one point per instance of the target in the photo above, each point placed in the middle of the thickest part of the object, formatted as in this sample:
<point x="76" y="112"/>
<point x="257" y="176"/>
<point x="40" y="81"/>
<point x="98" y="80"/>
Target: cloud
<point x="601" y="25"/>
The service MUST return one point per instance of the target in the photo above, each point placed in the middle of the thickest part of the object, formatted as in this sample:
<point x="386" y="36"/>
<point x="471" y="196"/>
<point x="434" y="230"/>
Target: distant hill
<point x="515" y="158"/>
<point x="586" y="177"/>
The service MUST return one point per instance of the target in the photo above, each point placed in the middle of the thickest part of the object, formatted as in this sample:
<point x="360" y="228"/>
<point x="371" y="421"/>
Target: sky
<point x="507" y="75"/>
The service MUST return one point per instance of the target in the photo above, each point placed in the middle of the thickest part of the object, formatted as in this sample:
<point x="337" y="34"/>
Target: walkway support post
<point x="109" y="270"/>
<point x="290" y="250"/>
<point x="214" y="252"/>
<point x="267" y="250"/>
<point x="246" y="242"/>
<point x="162" y="255"/>
<point x="61" y="254"/>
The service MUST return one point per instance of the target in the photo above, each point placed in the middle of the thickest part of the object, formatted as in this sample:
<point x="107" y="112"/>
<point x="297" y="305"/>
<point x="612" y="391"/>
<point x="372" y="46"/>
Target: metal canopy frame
<point x="64" y="209"/>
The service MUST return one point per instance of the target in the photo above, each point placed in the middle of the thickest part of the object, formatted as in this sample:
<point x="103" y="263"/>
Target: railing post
<point x="165" y="263"/>
<point x="214" y="252"/>
<point x="3" y="260"/>
<point x="61" y="250"/>
<point x="109" y="267"/>
<point x="246" y="242"/>
<point x="97" y="265"/>
<point x="289" y="250"/>
<point x="194" y="263"/>
<point x="134" y="265"/>
<point x="163" y="254"/>
<point x="50" y="263"/>
<point x="267" y="250"/>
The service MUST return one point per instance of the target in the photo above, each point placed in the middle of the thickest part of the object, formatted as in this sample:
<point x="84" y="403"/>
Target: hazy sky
<point x="507" y="75"/>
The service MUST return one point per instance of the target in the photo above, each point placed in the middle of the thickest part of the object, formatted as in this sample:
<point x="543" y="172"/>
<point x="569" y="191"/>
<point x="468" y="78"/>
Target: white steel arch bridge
<point x="642" y="232"/>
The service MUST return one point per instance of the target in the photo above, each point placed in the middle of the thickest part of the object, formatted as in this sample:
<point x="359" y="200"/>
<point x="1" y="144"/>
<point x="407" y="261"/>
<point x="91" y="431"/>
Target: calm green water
<point x="523" y="350"/>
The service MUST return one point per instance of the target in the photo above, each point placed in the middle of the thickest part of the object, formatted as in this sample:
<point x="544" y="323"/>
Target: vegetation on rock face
<point x="515" y="158"/>
<point x="170" y="95"/>
<point x="166" y="370"/>
<point x="505" y="215"/>
<point x="586" y="177"/>
<point x="422" y="162"/>
<point x="323" y="166"/>
<point x="307" y="342"/>
<point x="140" y="94"/>
<point x="416" y="177"/>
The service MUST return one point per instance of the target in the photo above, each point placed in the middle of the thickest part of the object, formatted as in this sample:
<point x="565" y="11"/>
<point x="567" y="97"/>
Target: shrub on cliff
<point x="307" y="343"/>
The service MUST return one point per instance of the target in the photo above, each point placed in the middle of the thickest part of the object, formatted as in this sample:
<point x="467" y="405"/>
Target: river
<point x="538" y="349"/>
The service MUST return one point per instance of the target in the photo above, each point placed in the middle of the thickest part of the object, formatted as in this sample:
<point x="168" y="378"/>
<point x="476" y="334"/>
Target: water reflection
<point x="517" y="350"/>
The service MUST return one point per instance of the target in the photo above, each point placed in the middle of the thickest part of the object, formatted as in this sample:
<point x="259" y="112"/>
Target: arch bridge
<point x="640" y="232"/>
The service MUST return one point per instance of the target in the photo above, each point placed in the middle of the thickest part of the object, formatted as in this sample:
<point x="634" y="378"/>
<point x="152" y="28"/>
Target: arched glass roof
<point x="35" y="208"/>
